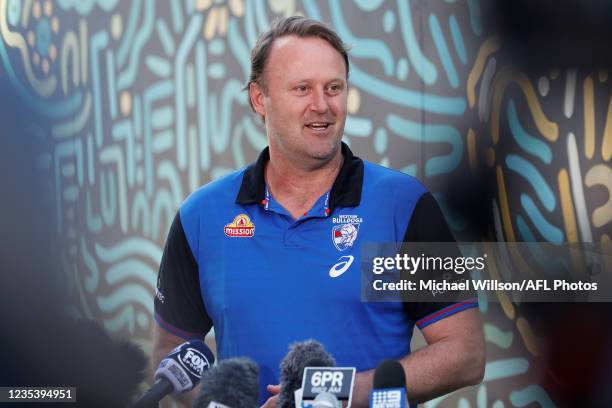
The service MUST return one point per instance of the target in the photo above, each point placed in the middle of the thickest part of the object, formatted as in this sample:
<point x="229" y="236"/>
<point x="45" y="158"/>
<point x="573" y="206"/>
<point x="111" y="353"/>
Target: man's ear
<point x="257" y="98"/>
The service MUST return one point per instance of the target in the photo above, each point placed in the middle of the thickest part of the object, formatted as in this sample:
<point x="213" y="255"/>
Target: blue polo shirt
<point x="235" y="259"/>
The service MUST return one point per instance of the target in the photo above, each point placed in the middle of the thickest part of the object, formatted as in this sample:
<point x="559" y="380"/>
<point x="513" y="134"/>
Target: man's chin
<point x="324" y="153"/>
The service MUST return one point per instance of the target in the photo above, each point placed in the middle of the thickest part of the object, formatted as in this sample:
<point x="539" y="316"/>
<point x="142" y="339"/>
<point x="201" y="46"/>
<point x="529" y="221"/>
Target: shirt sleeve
<point x="427" y="225"/>
<point x="178" y="305"/>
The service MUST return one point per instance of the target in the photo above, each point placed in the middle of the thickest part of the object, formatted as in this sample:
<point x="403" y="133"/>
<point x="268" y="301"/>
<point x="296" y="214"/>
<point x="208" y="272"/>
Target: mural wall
<point x="145" y="104"/>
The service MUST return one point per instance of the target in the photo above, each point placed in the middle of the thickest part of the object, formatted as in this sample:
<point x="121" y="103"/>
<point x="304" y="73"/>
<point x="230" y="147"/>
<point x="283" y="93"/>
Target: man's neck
<point x="297" y="187"/>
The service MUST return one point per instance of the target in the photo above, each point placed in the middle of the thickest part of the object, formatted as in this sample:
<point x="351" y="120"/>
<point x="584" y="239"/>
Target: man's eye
<point x="301" y="88"/>
<point x="336" y="88"/>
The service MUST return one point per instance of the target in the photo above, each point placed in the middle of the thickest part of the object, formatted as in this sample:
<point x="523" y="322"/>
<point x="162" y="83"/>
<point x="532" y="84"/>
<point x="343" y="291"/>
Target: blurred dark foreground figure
<point x="41" y="346"/>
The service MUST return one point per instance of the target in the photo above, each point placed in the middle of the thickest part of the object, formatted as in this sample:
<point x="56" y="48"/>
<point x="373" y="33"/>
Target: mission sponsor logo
<point x="345" y="234"/>
<point x="241" y="227"/>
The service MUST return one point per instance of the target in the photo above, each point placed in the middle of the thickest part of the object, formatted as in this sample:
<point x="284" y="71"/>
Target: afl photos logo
<point x="241" y="227"/>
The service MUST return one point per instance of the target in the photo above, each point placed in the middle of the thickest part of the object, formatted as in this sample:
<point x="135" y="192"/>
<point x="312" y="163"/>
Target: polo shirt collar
<point x="346" y="191"/>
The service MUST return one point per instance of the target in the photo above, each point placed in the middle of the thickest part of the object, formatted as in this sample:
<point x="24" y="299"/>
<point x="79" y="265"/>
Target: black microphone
<point x="389" y="386"/>
<point x="231" y="383"/>
<point x="179" y="372"/>
<point x="292" y="368"/>
<point x="389" y="374"/>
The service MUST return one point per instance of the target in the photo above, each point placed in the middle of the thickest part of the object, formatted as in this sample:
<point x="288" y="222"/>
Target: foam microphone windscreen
<point x="233" y="382"/>
<point x="314" y="362"/>
<point x="292" y="368"/>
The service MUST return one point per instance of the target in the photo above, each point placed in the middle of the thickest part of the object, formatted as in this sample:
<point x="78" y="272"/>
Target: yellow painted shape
<point x="567" y="206"/>
<point x="237" y="7"/>
<point x="45" y="66"/>
<point x="210" y="26"/>
<point x="589" y="117"/>
<point x="25" y="17"/>
<point x="505" y="77"/>
<point x="116" y="26"/>
<point x="531" y="341"/>
<point x="504" y="207"/>
<point x="36" y="9"/>
<point x="601" y="174"/>
<point x="488" y="47"/>
<point x="353" y="102"/>
<point x="52" y="52"/>
<point x="283" y="7"/>
<point x="47" y="8"/>
<point x="125" y="103"/>
<point x="569" y="219"/>
<point x="202" y="5"/>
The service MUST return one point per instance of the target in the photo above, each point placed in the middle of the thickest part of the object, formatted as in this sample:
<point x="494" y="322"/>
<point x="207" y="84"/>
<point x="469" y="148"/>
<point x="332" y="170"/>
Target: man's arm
<point x="179" y="309"/>
<point x="455" y="353"/>
<point x="453" y="358"/>
<point x="163" y="342"/>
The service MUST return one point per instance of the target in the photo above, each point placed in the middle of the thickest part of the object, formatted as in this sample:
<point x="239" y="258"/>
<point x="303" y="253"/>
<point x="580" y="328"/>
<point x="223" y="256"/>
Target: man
<point x="269" y="255"/>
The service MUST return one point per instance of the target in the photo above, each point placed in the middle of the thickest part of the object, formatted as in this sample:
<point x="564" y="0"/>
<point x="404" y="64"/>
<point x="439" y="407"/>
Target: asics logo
<point x="342" y="266"/>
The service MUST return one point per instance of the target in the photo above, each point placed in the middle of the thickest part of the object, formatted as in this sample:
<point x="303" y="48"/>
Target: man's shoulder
<point x="219" y="192"/>
<point x="384" y="179"/>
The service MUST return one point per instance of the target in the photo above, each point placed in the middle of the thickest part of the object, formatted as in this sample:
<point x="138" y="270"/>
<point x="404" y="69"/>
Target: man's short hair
<point x="298" y="26"/>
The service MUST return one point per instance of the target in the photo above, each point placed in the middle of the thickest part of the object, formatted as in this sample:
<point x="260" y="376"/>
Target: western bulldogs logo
<point x="344" y="235"/>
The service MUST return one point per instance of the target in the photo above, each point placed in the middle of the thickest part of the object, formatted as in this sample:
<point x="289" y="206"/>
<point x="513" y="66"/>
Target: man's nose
<point x="319" y="101"/>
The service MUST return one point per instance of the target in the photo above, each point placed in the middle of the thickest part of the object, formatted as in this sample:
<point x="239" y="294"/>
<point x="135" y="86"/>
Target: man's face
<point x="305" y="103"/>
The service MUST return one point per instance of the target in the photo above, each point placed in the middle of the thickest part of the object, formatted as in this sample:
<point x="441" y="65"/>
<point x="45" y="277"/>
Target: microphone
<point x="325" y="400"/>
<point x="315" y="362"/>
<point x="231" y="383"/>
<point x="179" y="372"/>
<point x="299" y="393"/>
<point x="320" y="379"/>
<point x="389" y="386"/>
<point x="292" y="368"/>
